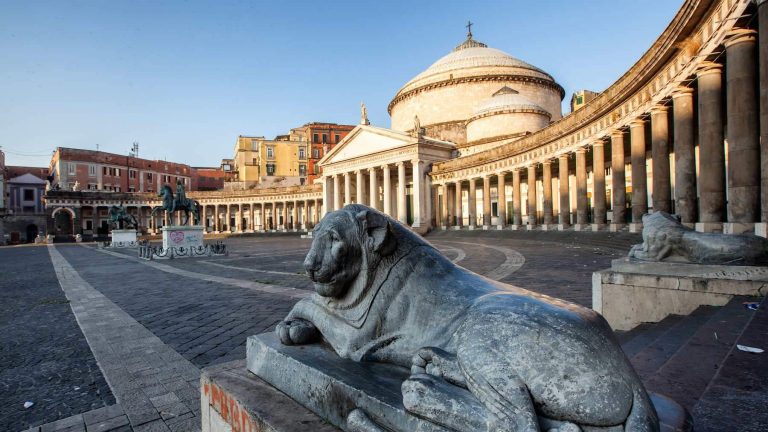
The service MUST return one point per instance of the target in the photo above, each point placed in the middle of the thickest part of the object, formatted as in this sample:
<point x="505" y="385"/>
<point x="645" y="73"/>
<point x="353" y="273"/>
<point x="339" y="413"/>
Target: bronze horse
<point x="171" y="205"/>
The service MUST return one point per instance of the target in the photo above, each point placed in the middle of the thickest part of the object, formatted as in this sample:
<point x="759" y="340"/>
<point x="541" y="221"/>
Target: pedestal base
<point x="124" y="238"/>
<point x="581" y="227"/>
<point x="456" y="227"/>
<point x="515" y="227"/>
<point x="182" y="236"/>
<point x="616" y="227"/>
<point x="562" y="227"/>
<point x="761" y="229"/>
<point x="530" y="227"/>
<point x="315" y="378"/>
<point x="633" y="292"/>
<point x="636" y="227"/>
<point x="486" y="227"/>
<point x="548" y="227"/>
<point x="598" y="227"/>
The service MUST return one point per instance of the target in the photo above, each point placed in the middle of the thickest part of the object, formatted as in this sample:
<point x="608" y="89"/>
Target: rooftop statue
<point x="666" y="239"/>
<point x="180" y="203"/>
<point x="119" y="218"/>
<point x="483" y="355"/>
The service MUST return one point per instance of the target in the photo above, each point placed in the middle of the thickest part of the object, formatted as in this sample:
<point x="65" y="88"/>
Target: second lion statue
<point x="483" y="355"/>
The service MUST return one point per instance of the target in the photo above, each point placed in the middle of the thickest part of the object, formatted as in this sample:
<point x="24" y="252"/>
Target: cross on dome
<point x="469" y="29"/>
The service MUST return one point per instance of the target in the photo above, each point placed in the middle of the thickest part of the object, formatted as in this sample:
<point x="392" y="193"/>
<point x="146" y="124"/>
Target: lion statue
<point x="483" y="355"/>
<point x="666" y="239"/>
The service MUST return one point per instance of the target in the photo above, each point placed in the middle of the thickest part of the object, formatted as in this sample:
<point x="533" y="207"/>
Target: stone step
<point x="740" y="388"/>
<point x="655" y="354"/>
<point x="688" y="372"/>
<point x="644" y="334"/>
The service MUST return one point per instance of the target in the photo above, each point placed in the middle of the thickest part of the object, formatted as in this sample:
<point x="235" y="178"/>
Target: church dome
<point x="508" y="99"/>
<point x="447" y="94"/>
<point x="505" y="114"/>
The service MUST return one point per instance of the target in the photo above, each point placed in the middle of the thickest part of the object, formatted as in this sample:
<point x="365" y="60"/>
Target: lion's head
<point x="346" y="241"/>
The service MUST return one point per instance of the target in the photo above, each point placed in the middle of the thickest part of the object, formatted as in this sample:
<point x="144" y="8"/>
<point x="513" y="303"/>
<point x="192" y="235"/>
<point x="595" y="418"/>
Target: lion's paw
<point x="296" y="331"/>
<point x="437" y="362"/>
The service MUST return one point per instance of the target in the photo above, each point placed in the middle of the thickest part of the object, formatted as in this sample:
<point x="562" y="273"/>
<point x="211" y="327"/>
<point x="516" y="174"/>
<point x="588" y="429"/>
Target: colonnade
<point x="696" y="154"/>
<point x="398" y="189"/>
<point x="287" y="215"/>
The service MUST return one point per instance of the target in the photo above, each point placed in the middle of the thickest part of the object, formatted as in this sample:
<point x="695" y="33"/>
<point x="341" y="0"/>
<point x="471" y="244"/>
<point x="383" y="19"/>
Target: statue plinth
<point x="182" y="236"/>
<point x="123" y="238"/>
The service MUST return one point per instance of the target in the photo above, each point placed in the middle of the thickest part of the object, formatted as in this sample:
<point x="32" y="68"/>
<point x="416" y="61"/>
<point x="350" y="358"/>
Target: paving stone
<point x="154" y="426"/>
<point x="102" y="414"/>
<point x="69" y="422"/>
<point x="166" y="399"/>
<point x="109" y="425"/>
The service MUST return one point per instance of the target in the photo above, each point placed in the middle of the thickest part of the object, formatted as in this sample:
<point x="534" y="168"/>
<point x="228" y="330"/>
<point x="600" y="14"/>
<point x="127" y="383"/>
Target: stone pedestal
<point x="598" y="227"/>
<point x="616" y="227"/>
<point x="122" y="238"/>
<point x="761" y="229"/>
<point x="486" y="227"/>
<point x="562" y="227"/>
<point x="632" y="292"/>
<point x="636" y="227"/>
<point x="580" y="227"/>
<point x="182" y="236"/>
<point x="515" y="227"/>
<point x="548" y="227"/>
<point x="530" y="227"/>
<point x="309" y="388"/>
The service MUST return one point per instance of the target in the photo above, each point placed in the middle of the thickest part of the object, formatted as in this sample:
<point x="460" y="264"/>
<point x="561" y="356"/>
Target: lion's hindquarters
<point x="567" y="376"/>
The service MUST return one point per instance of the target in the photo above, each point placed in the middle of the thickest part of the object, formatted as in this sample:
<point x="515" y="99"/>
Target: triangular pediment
<point x="27" y="179"/>
<point x="366" y="140"/>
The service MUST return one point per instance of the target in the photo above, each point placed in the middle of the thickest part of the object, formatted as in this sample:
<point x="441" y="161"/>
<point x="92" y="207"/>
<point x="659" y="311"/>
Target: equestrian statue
<point x="119" y="218"/>
<point x="180" y="203"/>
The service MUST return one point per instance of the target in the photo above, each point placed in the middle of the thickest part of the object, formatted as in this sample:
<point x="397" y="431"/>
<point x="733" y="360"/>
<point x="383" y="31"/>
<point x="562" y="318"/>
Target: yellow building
<point x="259" y="162"/>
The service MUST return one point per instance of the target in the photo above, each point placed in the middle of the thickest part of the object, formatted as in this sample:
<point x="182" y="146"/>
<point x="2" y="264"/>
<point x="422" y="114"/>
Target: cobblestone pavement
<point x="44" y="357"/>
<point x="204" y="309"/>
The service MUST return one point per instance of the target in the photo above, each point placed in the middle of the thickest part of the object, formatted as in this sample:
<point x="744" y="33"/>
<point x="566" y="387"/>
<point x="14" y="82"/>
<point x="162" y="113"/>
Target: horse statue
<point x="119" y="218"/>
<point x="178" y="203"/>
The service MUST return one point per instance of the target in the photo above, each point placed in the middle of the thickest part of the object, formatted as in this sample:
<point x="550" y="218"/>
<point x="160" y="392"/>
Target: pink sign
<point x="177" y="237"/>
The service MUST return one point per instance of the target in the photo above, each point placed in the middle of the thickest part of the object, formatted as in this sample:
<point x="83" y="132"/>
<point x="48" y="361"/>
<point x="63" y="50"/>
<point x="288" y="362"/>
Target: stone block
<point x="562" y="227"/>
<point x="633" y="292"/>
<point x="581" y="227"/>
<point x="486" y="227"/>
<point x="514" y="227"/>
<point x="182" y="236"/>
<point x="761" y="229"/>
<point x="598" y="227"/>
<point x="456" y="227"/>
<point x="548" y="227"/>
<point x="636" y="227"/>
<point x="530" y="227"/>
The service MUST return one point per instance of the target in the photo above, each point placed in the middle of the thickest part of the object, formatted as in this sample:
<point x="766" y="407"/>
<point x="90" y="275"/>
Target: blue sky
<point x="184" y="78"/>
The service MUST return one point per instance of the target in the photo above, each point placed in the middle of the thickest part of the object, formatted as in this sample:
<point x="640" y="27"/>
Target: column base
<point x="709" y="227"/>
<point x="563" y="227"/>
<point x="738" y="228"/>
<point x="514" y="227"/>
<point x="598" y="227"/>
<point x="456" y="227"/>
<point x="616" y="227"/>
<point x="499" y="227"/>
<point x="761" y="229"/>
<point x="443" y="227"/>
<point x="636" y="227"/>
<point x="530" y="227"/>
<point x="548" y="227"/>
<point x="471" y="227"/>
<point x="486" y="227"/>
<point x="690" y="225"/>
<point x="581" y="227"/>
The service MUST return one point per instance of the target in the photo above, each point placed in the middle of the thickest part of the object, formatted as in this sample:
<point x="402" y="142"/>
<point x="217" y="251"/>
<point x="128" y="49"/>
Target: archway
<point x="63" y="223"/>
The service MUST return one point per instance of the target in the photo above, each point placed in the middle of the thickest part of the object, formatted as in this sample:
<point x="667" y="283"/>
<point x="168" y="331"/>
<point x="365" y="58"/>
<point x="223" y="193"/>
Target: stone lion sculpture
<point x="666" y="239"/>
<point x="483" y="355"/>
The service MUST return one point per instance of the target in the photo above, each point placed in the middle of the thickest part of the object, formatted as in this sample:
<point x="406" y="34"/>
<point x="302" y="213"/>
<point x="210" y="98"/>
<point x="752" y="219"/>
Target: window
<point x="325" y="138"/>
<point x="254" y="161"/>
<point x="314" y="138"/>
<point x="315" y="169"/>
<point x="149" y="176"/>
<point x="336" y="138"/>
<point x="117" y="188"/>
<point x="131" y="189"/>
<point x="92" y="186"/>
<point x="302" y="170"/>
<point x="270" y="152"/>
<point x="72" y="168"/>
<point x="302" y="153"/>
<point x="132" y="174"/>
<point x="89" y="225"/>
<point x="104" y="170"/>
<point x="166" y="179"/>
<point x="29" y="194"/>
<point x="92" y="170"/>
<point x="316" y="153"/>
<point x="117" y="172"/>
<point x="254" y="145"/>
<point x="270" y="169"/>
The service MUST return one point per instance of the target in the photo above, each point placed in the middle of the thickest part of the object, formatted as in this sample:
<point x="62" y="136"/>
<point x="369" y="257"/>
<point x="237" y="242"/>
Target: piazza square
<point x="507" y="252"/>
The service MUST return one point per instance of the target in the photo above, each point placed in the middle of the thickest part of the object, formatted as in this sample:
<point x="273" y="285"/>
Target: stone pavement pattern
<point x="203" y="309"/>
<point x="44" y="358"/>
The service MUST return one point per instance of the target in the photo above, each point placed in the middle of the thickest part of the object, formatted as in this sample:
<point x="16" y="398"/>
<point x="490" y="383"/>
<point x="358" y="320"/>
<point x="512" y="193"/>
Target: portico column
<point x="711" y="149"/>
<point x="531" y="196"/>
<point x="743" y="132"/>
<point x="598" y="185"/>
<point x="252" y="211"/>
<point x="517" y="199"/>
<point x="274" y="216"/>
<point x="347" y="188"/>
<point x="373" y="193"/>
<point x="685" y="158"/>
<point x="336" y="192"/>
<point x="402" y="214"/>
<point x="472" y="204"/>
<point x="240" y="218"/>
<point x="205" y="218"/>
<point x="582" y="214"/>
<point x="486" y="201"/>
<point x="316" y="217"/>
<point x="639" y="175"/>
<point x="564" y="186"/>
<point x="444" y="207"/>
<point x="417" y="171"/>
<point x="546" y="177"/>
<point x="762" y="28"/>
<point x="327" y="194"/>
<point x="216" y="219"/>
<point x="359" y="187"/>
<point x="618" y="181"/>
<point x="295" y="216"/>
<point x="457" y="203"/>
<point x="501" y="188"/>
<point x="662" y="190"/>
<point x="285" y="216"/>
<point x="428" y="191"/>
<point x="387" y="190"/>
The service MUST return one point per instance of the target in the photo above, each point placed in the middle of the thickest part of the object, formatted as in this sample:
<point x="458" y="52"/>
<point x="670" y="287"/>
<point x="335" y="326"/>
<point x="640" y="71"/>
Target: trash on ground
<point x="749" y="349"/>
<point x="751" y="305"/>
<point x="28" y="404"/>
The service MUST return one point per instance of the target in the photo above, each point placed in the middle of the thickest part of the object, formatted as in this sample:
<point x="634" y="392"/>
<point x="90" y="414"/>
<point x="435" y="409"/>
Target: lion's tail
<point x="642" y="417"/>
